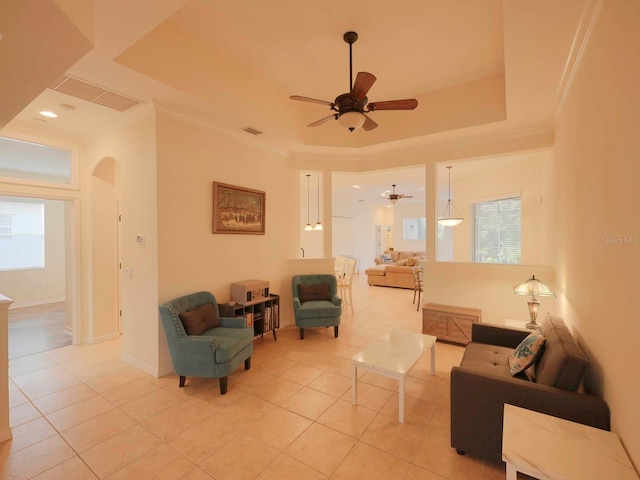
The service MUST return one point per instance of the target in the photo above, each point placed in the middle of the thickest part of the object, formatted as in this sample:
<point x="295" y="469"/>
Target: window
<point x="21" y="234"/>
<point x="27" y="161"/>
<point x="415" y="228"/>
<point x="496" y="231"/>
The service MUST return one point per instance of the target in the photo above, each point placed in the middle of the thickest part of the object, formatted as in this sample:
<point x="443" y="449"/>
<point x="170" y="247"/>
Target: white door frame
<point x="72" y="244"/>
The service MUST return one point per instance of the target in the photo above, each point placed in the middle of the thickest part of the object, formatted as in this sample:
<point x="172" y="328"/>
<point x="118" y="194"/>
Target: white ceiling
<point x="472" y="64"/>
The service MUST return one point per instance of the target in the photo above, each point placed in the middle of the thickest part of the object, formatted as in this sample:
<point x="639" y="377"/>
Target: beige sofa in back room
<point x="394" y="269"/>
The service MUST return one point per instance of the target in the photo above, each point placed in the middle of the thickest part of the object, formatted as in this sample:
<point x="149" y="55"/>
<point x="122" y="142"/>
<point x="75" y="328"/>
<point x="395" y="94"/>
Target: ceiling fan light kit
<point x="351" y="108"/>
<point x="447" y="220"/>
<point x="394" y="197"/>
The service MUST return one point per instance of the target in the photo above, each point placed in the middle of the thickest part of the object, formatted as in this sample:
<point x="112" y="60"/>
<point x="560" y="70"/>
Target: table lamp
<point x="535" y="288"/>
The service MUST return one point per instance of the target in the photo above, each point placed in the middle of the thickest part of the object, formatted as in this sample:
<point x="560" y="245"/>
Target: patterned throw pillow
<point x="527" y="353"/>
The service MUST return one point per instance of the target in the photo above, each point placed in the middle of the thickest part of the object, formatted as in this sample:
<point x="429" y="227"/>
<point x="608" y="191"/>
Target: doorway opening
<point x="34" y="264"/>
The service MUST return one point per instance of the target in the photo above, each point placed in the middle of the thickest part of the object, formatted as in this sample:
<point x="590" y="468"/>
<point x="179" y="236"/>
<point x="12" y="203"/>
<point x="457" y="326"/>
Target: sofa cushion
<point x="485" y="358"/>
<point x="399" y="269"/>
<point x="527" y="353"/>
<point x="402" y="263"/>
<point x="318" y="309"/>
<point x="395" y="255"/>
<point x="314" y="292"/>
<point x="196" y="321"/>
<point x="378" y="270"/>
<point x="406" y="254"/>
<point x="229" y="342"/>
<point x="562" y="363"/>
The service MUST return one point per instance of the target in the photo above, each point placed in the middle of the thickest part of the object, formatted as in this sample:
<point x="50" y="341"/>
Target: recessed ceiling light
<point x="356" y="186"/>
<point x="48" y="114"/>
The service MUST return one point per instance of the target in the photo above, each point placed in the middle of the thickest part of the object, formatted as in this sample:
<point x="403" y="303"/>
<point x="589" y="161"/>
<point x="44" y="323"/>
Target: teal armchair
<point x="214" y="353"/>
<point x="316" y="302"/>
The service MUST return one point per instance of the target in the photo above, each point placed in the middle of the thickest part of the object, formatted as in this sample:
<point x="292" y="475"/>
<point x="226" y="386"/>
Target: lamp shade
<point x="352" y="120"/>
<point x="534" y="288"/>
<point x="450" y="222"/>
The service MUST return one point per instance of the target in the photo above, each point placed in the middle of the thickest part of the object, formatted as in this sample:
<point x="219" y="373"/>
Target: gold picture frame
<point x="238" y="210"/>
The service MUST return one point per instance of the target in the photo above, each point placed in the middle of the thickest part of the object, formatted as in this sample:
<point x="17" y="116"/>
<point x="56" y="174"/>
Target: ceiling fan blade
<point x="323" y="120"/>
<point x="364" y="81"/>
<point x="405" y="196"/>
<point x="368" y="124"/>
<point x="312" y="100"/>
<point x="406" y="104"/>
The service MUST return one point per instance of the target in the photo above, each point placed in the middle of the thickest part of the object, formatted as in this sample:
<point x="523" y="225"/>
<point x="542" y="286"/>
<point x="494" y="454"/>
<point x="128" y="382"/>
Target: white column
<point x="431" y="188"/>
<point x="5" y="429"/>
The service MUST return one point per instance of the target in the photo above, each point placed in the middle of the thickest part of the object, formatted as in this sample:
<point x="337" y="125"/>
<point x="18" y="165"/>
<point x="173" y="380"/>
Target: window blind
<point x="496" y="231"/>
<point x="21" y="234"/>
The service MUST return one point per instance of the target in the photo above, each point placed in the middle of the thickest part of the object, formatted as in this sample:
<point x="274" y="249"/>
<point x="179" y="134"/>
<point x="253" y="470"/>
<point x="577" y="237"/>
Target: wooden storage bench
<point x="449" y="323"/>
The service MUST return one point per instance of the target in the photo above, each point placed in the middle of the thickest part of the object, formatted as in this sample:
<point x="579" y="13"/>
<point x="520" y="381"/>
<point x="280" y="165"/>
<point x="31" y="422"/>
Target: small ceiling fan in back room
<point x="350" y="108"/>
<point x="394" y="197"/>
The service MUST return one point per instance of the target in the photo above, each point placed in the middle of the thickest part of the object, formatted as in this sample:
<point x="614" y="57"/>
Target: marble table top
<point x="547" y="447"/>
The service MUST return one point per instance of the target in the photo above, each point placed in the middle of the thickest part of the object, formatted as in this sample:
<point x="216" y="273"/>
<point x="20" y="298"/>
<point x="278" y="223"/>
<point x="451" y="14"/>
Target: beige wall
<point x="133" y="149"/>
<point x="190" y="257"/>
<point x="488" y="287"/>
<point x="42" y="285"/>
<point x="524" y="178"/>
<point x="597" y="203"/>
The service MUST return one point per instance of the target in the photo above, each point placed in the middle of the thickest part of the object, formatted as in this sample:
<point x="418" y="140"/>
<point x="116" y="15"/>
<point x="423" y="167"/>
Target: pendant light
<point x="447" y="220"/>
<point x="318" y="224"/>
<point x="308" y="227"/>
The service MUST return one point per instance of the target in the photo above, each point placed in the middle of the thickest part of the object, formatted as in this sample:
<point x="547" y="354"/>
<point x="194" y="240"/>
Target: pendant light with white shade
<point x="450" y="219"/>
<point x="308" y="226"/>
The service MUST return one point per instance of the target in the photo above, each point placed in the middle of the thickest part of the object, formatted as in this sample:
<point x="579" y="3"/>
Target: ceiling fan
<point x="394" y="197"/>
<point x="350" y="108"/>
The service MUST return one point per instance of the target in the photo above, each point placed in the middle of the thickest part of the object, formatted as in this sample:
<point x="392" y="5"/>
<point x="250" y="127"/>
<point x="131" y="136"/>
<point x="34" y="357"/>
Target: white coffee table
<point x="393" y="355"/>
<point x="547" y="447"/>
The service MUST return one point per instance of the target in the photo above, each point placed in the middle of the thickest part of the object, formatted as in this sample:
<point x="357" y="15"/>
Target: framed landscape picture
<point x="238" y="210"/>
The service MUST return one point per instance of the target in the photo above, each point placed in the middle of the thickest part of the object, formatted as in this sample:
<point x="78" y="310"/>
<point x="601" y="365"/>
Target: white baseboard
<point x="168" y="371"/>
<point x="103" y="338"/>
<point x="138" y="364"/>
<point x="36" y="303"/>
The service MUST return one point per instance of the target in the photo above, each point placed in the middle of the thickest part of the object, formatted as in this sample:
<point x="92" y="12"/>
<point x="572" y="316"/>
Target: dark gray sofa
<point x="482" y="384"/>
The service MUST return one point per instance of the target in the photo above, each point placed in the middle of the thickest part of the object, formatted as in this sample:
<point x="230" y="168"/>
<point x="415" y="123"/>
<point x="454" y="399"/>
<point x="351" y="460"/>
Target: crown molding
<point x="201" y="123"/>
<point x="586" y="25"/>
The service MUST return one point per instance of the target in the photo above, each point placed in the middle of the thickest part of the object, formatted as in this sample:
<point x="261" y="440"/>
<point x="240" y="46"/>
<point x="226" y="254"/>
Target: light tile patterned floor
<point x="79" y="412"/>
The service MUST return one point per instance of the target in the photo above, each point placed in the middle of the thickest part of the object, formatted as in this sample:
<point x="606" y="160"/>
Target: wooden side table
<point x="449" y="323"/>
<point x="547" y="447"/>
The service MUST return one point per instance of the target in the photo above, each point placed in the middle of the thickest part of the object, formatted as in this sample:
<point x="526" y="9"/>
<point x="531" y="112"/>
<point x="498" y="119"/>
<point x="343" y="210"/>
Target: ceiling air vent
<point x="252" y="131"/>
<point x="93" y="93"/>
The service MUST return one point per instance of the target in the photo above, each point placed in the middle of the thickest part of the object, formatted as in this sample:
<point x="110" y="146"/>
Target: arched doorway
<point x="104" y="304"/>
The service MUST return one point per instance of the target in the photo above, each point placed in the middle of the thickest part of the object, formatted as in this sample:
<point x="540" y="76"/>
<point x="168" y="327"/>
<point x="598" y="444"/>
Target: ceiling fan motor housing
<point x="348" y="103"/>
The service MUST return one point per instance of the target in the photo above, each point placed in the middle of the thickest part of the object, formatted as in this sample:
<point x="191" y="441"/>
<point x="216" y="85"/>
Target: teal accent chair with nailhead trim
<point x="324" y="312"/>
<point x="215" y="353"/>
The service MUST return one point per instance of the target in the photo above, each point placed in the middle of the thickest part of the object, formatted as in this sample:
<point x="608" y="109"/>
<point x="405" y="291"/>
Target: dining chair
<point x="417" y="284"/>
<point x="344" y="283"/>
